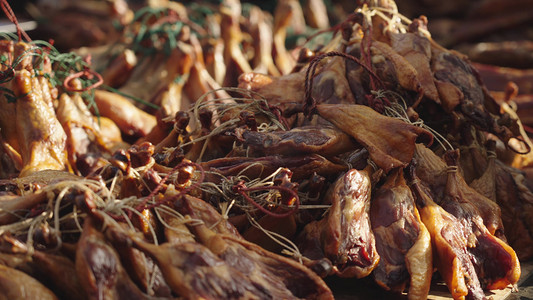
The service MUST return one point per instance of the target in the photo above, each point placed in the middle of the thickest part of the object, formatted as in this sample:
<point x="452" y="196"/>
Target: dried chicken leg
<point x="16" y="285"/>
<point x="402" y="240"/>
<point x="344" y="235"/>
<point x="449" y="244"/>
<point x="41" y="137"/>
<point x="99" y="269"/>
<point x="130" y="119"/>
<point x="390" y="142"/>
<point x="326" y="141"/>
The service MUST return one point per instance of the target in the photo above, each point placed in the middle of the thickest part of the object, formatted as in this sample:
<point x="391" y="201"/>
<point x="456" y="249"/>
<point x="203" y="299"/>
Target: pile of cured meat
<point x="188" y="153"/>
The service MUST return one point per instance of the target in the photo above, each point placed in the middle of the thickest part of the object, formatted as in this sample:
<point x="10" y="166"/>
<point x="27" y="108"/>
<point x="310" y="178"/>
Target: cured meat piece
<point x="99" y="269"/>
<point x="344" y="235"/>
<point x="301" y="166"/>
<point x="284" y="13"/>
<point x="416" y="49"/>
<point x="16" y="285"/>
<point x="496" y="263"/>
<point x="402" y="240"/>
<point x="390" y="142"/>
<point x="330" y="85"/>
<point x="516" y="202"/>
<point x="86" y="147"/>
<point x="448" y="243"/>
<point x="41" y="138"/>
<point x="261" y="31"/>
<point x="432" y="170"/>
<point x="326" y="141"/>
<point x="130" y="119"/>
<point x="14" y="208"/>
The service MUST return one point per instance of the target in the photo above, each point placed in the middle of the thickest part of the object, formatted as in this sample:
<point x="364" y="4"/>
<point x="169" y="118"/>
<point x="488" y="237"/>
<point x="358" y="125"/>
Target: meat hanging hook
<point x="13" y="19"/>
<point x="241" y="189"/>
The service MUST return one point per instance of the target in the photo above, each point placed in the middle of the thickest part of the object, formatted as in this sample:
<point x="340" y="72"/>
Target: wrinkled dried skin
<point x="496" y="263"/>
<point x="390" y="142"/>
<point x="433" y="171"/>
<point x="287" y="278"/>
<point x="449" y="245"/>
<point x="416" y="49"/>
<point x="301" y="166"/>
<point x="16" y="285"/>
<point x="344" y="235"/>
<point x="41" y="137"/>
<point x="99" y="269"/>
<point x="330" y="85"/>
<point x="402" y="241"/>
<point x="516" y="202"/>
<point x="131" y="120"/>
<point x="60" y="272"/>
<point x="279" y="90"/>
<point x="326" y="141"/>
<point x="406" y="74"/>
<point x="200" y="210"/>
<point x="14" y="208"/>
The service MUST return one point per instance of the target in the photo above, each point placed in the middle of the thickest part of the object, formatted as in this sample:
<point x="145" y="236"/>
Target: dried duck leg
<point x="234" y="59"/>
<point x="496" y="263"/>
<point x="41" y="137"/>
<point x="17" y="285"/>
<point x="85" y="146"/>
<point x="448" y="243"/>
<point x="261" y="32"/>
<point x="433" y="171"/>
<point x="286" y="278"/>
<point x="344" y="235"/>
<point x="402" y="240"/>
<point x="285" y="11"/>
<point x="130" y="119"/>
<point x="390" y="142"/>
<point x="301" y="166"/>
<point x="327" y="141"/>
<point x="416" y="49"/>
<point x="516" y="201"/>
<point x="99" y="269"/>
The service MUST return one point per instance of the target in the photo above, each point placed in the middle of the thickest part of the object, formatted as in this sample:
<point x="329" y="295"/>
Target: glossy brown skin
<point x="402" y="240"/>
<point x="451" y="256"/>
<point x="130" y="119"/>
<point x="496" y="263"/>
<point x="41" y="137"/>
<point x="344" y="235"/>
